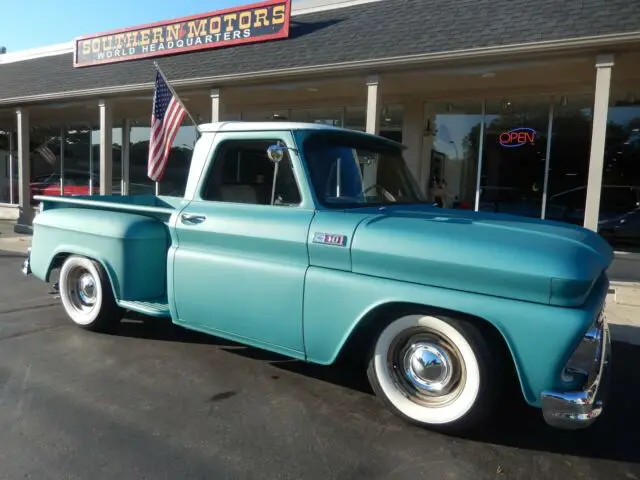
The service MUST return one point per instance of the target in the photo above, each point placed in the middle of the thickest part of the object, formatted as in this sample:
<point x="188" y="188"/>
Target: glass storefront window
<point x="116" y="153"/>
<point x="80" y="166"/>
<point x="325" y="116"/>
<point x="139" y="182"/>
<point x="569" y="159"/>
<point x="8" y="168"/>
<point x="454" y="148"/>
<point x="514" y="156"/>
<point x="391" y="122"/>
<point x="619" y="216"/>
<point x="355" y="118"/>
<point x="45" y="161"/>
<point x="175" y="177"/>
<point x="265" y="115"/>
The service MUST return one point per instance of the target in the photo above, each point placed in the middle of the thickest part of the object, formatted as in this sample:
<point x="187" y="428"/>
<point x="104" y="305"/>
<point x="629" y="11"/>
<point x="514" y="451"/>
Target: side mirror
<point x="275" y="153"/>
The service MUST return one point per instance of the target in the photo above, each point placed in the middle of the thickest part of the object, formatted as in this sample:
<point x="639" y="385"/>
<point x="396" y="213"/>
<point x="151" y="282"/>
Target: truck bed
<point x="158" y="206"/>
<point x="128" y="235"/>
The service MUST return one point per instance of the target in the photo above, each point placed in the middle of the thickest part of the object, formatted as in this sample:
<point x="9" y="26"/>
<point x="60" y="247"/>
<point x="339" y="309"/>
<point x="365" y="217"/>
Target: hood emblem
<point x="330" y="239"/>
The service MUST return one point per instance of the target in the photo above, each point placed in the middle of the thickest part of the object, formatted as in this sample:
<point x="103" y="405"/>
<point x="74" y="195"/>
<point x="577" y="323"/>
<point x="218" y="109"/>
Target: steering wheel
<point x="383" y="190"/>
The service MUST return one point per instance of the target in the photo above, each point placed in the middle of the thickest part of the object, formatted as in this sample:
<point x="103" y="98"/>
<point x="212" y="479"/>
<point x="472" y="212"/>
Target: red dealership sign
<point x="259" y="22"/>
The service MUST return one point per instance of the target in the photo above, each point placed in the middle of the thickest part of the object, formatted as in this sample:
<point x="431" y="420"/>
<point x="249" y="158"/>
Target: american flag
<point x="166" y="117"/>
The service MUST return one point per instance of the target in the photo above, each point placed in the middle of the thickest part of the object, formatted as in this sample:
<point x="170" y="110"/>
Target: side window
<point x="242" y="173"/>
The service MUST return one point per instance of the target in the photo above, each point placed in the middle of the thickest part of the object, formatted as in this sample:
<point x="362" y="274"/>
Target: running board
<point x="159" y="308"/>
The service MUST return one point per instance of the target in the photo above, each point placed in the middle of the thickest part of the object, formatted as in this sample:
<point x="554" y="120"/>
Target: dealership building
<point x="531" y="108"/>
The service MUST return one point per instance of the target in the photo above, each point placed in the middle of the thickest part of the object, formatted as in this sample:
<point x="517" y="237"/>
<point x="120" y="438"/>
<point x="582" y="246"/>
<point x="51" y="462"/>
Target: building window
<point x="391" y="122"/>
<point x="174" y="181"/>
<point x="266" y="116"/>
<point x="8" y="168"/>
<point x="80" y="166"/>
<point x="116" y="153"/>
<point x="453" y="138"/>
<point x="45" y="162"/>
<point x="242" y="173"/>
<point x="355" y="118"/>
<point x="139" y="182"/>
<point x="569" y="159"/>
<point x="514" y="156"/>
<point x="326" y="116"/>
<point x="619" y="219"/>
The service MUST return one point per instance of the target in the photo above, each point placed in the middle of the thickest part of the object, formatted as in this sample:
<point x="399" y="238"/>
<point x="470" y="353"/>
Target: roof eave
<point x="550" y="46"/>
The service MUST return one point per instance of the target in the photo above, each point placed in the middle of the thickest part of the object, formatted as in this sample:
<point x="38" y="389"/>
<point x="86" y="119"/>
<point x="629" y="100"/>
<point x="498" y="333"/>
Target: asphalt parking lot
<point x="155" y="401"/>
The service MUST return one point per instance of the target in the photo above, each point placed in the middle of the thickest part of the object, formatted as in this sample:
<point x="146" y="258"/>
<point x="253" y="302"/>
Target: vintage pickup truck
<point x="316" y="242"/>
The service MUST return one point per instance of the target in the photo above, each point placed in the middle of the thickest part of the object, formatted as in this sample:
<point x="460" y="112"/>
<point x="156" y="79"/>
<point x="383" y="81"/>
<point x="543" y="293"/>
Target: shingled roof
<point x="390" y="28"/>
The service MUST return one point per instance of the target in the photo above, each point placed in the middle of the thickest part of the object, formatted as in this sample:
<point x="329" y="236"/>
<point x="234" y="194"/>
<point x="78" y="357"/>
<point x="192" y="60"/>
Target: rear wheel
<point x="434" y="371"/>
<point x="86" y="294"/>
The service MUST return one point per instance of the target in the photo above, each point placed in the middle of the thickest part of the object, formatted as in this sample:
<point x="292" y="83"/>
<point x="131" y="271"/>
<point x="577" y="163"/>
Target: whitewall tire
<point x="434" y="371"/>
<point x="86" y="295"/>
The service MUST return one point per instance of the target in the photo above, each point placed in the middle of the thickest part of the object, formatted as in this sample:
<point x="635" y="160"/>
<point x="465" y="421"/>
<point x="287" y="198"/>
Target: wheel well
<point x="59" y="259"/>
<point x="56" y="263"/>
<point x="362" y="338"/>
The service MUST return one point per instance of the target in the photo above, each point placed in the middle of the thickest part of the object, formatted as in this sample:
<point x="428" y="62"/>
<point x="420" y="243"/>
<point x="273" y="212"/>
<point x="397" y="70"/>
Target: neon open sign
<point x="518" y="137"/>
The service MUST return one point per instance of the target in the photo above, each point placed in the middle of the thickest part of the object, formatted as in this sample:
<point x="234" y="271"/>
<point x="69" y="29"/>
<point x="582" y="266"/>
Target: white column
<point x="106" y="147"/>
<point x="412" y="130"/>
<point x="25" y="216"/>
<point x="604" y="64"/>
<point x="215" y="104"/>
<point x="373" y="104"/>
<point x="126" y="154"/>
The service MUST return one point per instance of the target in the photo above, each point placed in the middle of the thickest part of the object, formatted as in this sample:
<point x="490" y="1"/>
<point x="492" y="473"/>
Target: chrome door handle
<point x="192" y="219"/>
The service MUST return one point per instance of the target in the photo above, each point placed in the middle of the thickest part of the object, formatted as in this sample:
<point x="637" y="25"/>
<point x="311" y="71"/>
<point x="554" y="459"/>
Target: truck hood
<point x="494" y="254"/>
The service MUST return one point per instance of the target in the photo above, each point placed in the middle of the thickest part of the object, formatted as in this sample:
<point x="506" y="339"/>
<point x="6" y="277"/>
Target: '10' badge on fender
<point x="330" y="239"/>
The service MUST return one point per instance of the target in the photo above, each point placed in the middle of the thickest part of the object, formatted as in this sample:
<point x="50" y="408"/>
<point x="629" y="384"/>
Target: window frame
<point x="267" y="137"/>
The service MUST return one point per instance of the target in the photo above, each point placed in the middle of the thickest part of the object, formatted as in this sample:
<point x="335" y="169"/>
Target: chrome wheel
<point x="426" y="368"/>
<point x="81" y="286"/>
<point x="85" y="292"/>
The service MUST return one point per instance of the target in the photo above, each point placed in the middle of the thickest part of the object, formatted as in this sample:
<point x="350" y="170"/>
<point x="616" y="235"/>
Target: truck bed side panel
<point x="117" y="240"/>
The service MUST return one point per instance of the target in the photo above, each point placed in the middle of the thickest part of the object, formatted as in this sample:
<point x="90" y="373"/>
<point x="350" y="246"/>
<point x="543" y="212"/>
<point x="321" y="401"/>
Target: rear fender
<point x="131" y="248"/>
<point x="64" y="252"/>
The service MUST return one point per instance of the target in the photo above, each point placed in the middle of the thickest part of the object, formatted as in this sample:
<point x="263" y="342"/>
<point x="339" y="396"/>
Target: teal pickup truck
<point x="316" y="242"/>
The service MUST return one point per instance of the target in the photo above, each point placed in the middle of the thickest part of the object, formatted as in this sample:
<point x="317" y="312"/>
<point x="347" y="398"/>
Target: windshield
<point x="350" y="170"/>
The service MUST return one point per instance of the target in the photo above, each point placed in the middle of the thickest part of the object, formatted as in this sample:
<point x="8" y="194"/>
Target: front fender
<point x="540" y="337"/>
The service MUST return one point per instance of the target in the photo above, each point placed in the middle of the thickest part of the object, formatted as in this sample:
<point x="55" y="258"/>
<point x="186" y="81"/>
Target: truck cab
<point x="315" y="242"/>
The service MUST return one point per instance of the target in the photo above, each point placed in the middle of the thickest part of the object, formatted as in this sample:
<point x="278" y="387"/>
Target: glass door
<point x="514" y="156"/>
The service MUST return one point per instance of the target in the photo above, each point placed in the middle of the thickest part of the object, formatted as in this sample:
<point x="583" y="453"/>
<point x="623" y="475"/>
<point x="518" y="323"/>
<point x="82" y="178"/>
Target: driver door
<point x="240" y="265"/>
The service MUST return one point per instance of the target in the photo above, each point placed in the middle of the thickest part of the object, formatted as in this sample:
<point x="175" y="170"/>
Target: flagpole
<point x="175" y="95"/>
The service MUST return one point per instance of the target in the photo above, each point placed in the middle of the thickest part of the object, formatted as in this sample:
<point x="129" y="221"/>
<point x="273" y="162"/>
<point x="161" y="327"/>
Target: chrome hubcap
<point x="82" y="289"/>
<point x="87" y="289"/>
<point x="426" y="367"/>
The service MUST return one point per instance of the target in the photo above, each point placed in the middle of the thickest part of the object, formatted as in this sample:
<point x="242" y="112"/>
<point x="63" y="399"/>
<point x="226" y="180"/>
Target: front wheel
<point x="434" y="371"/>
<point x="86" y="294"/>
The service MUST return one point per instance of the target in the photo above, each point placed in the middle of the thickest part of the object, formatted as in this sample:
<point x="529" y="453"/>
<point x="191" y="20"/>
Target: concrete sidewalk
<point x="11" y="241"/>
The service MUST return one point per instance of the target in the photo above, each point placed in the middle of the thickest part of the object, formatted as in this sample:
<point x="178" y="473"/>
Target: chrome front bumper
<point x="579" y="409"/>
<point x="26" y="264"/>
